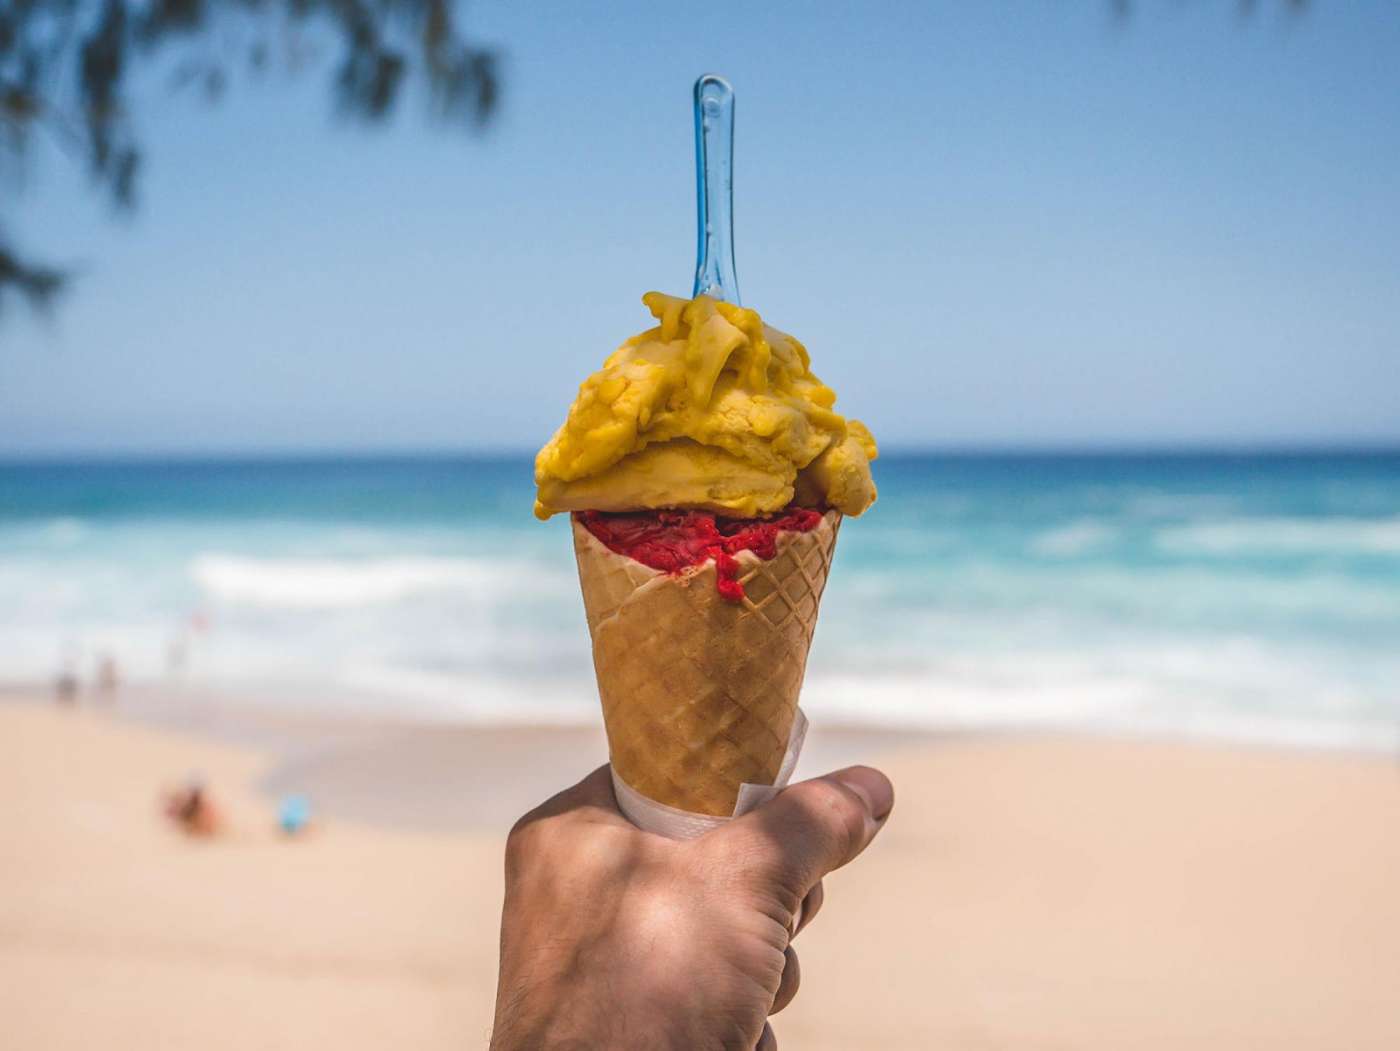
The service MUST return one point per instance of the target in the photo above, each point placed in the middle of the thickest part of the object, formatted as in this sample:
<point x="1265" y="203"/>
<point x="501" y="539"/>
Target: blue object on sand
<point x="293" y="814"/>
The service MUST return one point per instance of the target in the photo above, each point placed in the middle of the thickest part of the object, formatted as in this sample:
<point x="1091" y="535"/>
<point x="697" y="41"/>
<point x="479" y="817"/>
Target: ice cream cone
<point x="699" y="693"/>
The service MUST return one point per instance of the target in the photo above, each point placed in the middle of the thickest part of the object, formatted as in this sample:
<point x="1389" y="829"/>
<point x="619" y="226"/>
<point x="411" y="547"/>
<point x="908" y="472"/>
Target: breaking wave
<point x="324" y="583"/>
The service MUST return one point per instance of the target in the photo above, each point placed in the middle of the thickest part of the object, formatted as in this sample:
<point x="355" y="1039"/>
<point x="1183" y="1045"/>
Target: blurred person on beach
<point x="109" y="676"/>
<point x="613" y="937"/>
<point x="192" y="810"/>
<point x="65" y="685"/>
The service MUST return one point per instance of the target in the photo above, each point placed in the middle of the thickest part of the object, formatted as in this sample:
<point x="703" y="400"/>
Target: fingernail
<point x="873" y="787"/>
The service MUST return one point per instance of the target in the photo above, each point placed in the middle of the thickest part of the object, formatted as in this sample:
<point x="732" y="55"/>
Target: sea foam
<point x="321" y="583"/>
<point x="1235" y="536"/>
<point x="1241" y="599"/>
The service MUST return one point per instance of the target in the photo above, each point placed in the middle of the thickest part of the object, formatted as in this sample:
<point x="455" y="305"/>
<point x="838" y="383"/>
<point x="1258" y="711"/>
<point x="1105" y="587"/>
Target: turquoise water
<point x="1248" y="597"/>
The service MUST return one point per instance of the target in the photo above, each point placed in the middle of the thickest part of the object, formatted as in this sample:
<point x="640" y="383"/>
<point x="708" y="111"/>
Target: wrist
<point x="550" y="1014"/>
<point x="587" y="1014"/>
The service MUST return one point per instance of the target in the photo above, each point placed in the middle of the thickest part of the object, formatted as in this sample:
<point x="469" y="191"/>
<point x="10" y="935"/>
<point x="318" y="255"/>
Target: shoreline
<point x="435" y="775"/>
<point x="463" y="776"/>
<point x="262" y="711"/>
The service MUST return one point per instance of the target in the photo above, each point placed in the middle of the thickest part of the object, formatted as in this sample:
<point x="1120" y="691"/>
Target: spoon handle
<point x="714" y="189"/>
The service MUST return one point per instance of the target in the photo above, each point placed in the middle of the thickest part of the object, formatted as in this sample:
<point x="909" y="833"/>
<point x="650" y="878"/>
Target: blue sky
<point x="993" y="224"/>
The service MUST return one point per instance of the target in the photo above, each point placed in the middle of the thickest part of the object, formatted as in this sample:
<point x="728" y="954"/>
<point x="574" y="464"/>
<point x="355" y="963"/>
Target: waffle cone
<point x="699" y="693"/>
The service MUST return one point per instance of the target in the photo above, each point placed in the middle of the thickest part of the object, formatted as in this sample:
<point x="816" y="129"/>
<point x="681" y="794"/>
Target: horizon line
<point x="894" y="451"/>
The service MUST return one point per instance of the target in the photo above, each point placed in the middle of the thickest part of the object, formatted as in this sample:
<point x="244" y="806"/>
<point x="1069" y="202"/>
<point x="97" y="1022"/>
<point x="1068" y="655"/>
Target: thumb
<point x="811" y="828"/>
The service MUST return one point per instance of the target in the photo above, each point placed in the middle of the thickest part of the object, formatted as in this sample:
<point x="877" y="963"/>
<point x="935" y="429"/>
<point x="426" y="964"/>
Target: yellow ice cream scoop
<point x="709" y="410"/>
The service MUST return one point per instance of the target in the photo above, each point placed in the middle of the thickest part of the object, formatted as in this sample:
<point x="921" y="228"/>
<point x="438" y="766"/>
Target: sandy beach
<point x="1029" y="893"/>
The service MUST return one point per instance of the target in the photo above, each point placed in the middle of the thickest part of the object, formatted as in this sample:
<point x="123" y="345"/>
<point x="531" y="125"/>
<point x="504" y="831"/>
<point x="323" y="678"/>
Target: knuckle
<point x="523" y="844"/>
<point x="521" y="832"/>
<point x="517" y="856"/>
<point x="792" y="976"/>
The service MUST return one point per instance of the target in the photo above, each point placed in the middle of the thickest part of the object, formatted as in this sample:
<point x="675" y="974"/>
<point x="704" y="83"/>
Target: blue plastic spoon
<point x="714" y="189"/>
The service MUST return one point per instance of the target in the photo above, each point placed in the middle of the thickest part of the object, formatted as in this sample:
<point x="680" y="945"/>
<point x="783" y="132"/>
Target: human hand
<point x="614" y="938"/>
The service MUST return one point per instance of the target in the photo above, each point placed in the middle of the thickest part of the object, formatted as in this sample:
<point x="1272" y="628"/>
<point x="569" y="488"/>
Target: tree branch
<point x="94" y="44"/>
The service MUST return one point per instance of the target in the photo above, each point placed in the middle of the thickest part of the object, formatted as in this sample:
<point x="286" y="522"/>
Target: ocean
<point x="1238" y="597"/>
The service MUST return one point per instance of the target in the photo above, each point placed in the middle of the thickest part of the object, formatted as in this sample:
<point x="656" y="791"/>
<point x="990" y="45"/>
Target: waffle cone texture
<point x="699" y="694"/>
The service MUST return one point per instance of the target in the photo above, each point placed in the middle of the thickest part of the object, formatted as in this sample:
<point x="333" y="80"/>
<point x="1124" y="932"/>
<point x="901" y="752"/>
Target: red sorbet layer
<point x="672" y="541"/>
